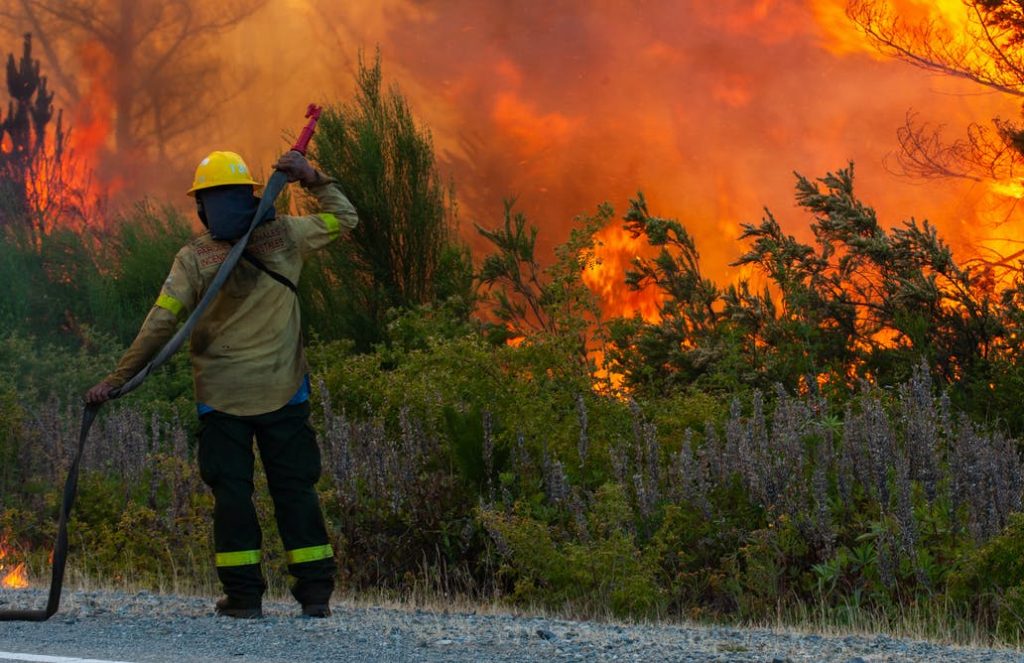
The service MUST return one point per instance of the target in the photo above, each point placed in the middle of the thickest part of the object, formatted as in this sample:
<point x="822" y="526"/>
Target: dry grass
<point x="939" y="623"/>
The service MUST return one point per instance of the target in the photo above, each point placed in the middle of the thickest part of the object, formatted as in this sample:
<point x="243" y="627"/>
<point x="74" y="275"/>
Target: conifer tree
<point x="23" y="137"/>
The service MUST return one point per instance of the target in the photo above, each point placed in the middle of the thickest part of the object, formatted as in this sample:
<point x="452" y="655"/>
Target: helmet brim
<point x="212" y="185"/>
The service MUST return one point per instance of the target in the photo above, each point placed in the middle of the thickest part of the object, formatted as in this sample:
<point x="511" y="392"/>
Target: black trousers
<point x="291" y="459"/>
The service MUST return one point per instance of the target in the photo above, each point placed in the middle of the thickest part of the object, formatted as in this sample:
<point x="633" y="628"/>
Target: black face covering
<point x="228" y="210"/>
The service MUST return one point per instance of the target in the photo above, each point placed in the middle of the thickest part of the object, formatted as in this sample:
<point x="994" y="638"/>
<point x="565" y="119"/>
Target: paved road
<point x="111" y="626"/>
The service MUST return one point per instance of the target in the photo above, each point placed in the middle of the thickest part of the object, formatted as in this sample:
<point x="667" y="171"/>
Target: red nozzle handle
<point x="302" y="144"/>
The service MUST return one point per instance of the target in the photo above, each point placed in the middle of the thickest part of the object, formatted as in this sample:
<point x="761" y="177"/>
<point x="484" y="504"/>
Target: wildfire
<point x="706" y="107"/>
<point x="17" y="576"/>
<point x="614" y="254"/>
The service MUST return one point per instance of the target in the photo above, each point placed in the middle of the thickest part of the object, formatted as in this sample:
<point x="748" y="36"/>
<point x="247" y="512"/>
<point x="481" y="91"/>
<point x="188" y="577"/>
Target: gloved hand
<point x="99" y="393"/>
<point x="296" y="168"/>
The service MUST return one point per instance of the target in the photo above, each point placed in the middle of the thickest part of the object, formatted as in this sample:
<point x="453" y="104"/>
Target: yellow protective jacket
<point x="247" y="354"/>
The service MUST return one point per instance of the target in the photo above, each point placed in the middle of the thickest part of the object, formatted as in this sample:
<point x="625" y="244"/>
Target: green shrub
<point x="770" y="569"/>
<point x="605" y="571"/>
<point x="12" y="416"/>
<point x="134" y="260"/>
<point x="990" y="580"/>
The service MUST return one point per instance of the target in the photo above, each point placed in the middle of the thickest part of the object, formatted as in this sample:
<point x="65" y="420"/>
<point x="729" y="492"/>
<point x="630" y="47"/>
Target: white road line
<point x="41" y="658"/>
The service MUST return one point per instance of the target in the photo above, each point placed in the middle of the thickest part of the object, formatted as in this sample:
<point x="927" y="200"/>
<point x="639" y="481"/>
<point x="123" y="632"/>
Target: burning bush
<point x="859" y="303"/>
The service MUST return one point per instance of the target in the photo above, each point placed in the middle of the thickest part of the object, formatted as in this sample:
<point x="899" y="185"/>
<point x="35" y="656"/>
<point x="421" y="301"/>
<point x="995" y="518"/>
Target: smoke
<point x="708" y="108"/>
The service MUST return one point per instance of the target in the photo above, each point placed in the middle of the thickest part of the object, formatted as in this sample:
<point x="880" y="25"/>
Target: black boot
<point x="316" y="610"/>
<point x="229" y="607"/>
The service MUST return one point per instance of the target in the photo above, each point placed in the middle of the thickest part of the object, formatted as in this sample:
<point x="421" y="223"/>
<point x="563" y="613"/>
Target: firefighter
<point x="250" y="374"/>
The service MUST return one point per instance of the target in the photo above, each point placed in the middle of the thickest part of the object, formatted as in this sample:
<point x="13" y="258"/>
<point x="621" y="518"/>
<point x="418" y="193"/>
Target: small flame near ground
<point x="11" y="576"/>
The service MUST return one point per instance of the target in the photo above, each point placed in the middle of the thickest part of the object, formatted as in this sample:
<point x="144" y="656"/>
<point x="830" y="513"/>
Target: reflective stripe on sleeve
<point x="310" y="554"/>
<point x="170" y="303"/>
<point x="331" y="221"/>
<point x="238" y="558"/>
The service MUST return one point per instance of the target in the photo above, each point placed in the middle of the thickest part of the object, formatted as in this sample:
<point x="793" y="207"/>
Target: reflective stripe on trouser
<point x="238" y="558"/>
<point x="310" y="554"/>
<point x="291" y="458"/>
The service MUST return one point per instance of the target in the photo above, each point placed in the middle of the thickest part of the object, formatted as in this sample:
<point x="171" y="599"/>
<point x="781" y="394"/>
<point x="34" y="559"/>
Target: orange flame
<point x="614" y="255"/>
<point x="91" y="134"/>
<point x="843" y="38"/>
<point x="993" y="204"/>
<point x="16" y="577"/>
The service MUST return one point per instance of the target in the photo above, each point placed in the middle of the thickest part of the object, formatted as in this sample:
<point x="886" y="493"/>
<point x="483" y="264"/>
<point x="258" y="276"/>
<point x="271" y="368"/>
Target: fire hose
<point x="273" y="187"/>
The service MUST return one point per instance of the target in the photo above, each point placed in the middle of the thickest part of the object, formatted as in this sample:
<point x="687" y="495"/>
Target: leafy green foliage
<point x="11" y="422"/>
<point x="133" y="262"/>
<point x="69" y="285"/>
<point x="606" y="571"/>
<point x="991" y="579"/>
<point x="689" y="338"/>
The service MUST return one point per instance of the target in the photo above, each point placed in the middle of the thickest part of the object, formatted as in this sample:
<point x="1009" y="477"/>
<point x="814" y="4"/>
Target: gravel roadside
<point x="163" y="628"/>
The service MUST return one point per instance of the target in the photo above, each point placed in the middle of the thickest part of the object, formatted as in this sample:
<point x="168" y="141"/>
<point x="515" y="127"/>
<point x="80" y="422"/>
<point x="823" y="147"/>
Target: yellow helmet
<point x="221" y="168"/>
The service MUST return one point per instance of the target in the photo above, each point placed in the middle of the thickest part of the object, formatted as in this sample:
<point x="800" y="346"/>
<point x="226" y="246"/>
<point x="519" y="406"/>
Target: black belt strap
<point x="277" y="276"/>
